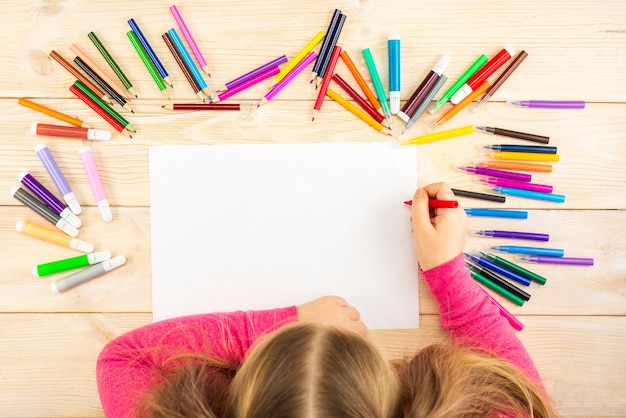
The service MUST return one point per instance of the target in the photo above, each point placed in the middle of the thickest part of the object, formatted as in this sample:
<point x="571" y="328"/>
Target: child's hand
<point x="332" y="310"/>
<point x="438" y="234"/>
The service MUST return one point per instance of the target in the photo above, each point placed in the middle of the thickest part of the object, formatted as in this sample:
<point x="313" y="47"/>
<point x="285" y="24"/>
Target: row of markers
<point x="64" y="216"/>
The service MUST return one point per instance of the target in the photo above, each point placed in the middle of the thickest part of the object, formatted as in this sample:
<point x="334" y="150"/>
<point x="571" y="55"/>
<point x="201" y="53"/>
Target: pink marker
<point x="192" y="43"/>
<point x="89" y="162"/>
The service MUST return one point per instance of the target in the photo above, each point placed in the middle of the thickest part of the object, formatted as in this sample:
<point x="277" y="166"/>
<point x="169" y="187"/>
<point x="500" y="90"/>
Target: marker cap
<point x="441" y="65"/>
<point x="98" y="135"/>
<point x="99" y="257"/>
<point x="403" y="116"/>
<point x="66" y="227"/>
<point x="105" y="210"/>
<point x="72" y="203"/>
<point x="69" y="216"/>
<point x="461" y="94"/>
<point x="81" y="245"/>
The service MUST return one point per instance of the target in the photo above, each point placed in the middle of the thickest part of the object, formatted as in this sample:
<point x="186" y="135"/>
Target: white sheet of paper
<point x="241" y="227"/>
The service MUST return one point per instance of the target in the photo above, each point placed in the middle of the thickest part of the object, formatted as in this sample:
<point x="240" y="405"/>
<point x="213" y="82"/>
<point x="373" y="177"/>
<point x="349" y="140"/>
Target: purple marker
<point x="577" y="261"/>
<point x="48" y="198"/>
<point x="543" y="188"/>
<point x="549" y="104"/>
<point x="494" y="233"/>
<point x="59" y="179"/>
<point x="496" y="173"/>
<point x="251" y="74"/>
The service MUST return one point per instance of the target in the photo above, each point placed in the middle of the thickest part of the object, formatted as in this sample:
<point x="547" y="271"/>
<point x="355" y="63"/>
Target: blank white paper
<point x="249" y="227"/>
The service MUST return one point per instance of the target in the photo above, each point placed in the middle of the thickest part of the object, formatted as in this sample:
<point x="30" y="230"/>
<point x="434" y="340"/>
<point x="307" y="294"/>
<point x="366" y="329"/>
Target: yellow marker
<point x="52" y="236"/>
<point x="524" y="156"/>
<point x="291" y="64"/>
<point x="466" y="130"/>
<point x="358" y="112"/>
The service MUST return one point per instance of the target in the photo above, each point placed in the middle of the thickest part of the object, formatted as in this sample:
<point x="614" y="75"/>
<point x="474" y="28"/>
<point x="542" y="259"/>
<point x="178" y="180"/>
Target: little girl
<point x="314" y="360"/>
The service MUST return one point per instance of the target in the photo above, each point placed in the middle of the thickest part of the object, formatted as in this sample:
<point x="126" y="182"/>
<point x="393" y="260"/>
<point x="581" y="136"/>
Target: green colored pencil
<point x="104" y="105"/>
<point x="109" y="59"/>
<point x="148" y="63"/>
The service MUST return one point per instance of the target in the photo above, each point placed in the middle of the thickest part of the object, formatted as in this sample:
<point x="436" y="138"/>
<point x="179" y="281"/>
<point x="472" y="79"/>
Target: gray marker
<point x="87" y="274"/>
<point x="48" y="214"/>
<point x="422" y="107"/>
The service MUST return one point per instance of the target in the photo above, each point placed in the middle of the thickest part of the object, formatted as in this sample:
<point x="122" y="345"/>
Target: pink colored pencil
<point x="192" y="43"/>
<point x="230" y="92"/>
<point x="290" y="76"/>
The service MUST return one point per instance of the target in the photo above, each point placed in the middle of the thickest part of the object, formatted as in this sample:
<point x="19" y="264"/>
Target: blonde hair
<point x="453" y="381"/>
<point x="314" y="370"/>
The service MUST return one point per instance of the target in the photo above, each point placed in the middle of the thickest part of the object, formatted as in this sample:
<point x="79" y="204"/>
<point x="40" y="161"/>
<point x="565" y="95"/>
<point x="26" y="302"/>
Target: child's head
<point x="444" y="380"/>
<point x="314" y="370"/>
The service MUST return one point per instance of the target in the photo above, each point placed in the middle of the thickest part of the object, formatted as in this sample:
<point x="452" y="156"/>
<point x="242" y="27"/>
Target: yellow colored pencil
<point x="465" y="130"/>
<point x="358" y="112"/>
<point x="299" y="57"/>
<point x="523" y="156"/>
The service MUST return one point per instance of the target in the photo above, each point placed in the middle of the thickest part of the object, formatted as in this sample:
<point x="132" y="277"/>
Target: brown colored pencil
<point x="181" y="63"/>
<point x="69" y="67"/>
<point x="360" y="99"/>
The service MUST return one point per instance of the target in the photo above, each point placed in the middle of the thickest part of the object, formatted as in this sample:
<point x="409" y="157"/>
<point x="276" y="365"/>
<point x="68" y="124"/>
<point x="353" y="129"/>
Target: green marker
<point x="148" y="63"/>
<point x="497" y="288"/>
<point x="480" y="61"/>
<point x="378" y="86"/>
<point x="58" y="266"/>
<point x="514" y="267"/>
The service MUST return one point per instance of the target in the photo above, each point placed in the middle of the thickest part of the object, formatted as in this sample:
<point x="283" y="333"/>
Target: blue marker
<point x="393" y="46"/>
<point x="559" y="198"/>
<point x="497" y="213"/>
<point x="153" y="56"/>
<point x="552" y="252"/>
<point x="499" y="269"/>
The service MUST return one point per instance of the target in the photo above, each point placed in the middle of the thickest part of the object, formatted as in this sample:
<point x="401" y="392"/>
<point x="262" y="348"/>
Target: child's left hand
<point x="332" y="310"/>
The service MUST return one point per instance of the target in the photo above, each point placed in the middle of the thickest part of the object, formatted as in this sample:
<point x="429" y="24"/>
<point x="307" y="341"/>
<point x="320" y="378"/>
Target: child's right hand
<point x="438" y="234"/>
<point x="332" y="310"/>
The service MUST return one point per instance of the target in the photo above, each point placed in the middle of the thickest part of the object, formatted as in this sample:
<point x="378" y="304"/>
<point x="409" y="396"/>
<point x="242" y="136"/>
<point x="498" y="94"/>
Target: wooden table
<point x="575" y="324"/>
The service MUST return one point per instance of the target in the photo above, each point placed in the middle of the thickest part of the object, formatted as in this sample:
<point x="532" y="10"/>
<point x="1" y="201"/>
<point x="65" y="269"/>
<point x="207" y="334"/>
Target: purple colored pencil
<point x="495" y="233"/>
<point x="492" y="172"/>
<point x="251" y="74"/>
<point x="577" y="261"/>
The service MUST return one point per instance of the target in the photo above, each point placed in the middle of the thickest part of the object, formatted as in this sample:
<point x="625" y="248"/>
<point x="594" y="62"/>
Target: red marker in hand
<point x="436" y="203"/>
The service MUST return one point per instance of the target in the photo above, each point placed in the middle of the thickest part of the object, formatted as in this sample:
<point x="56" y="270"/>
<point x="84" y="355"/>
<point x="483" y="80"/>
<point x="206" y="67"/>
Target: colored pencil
<point x="121" y="119"/>
<point x="326" y="81"/>
<point x="358" y="112"/>
<point x="192" y="42"/>
<point x="87" y="100"/>
<point x="183" y="66"/>
<point x="276" y="88"/>
<point x="359" y="99"/>
<point x="325" y="66"/>
<point x="97" y="69"/>
<point x="58" y="115"/>
<point x="148" y="63"/>
<point x="109" y="59"/>
<point x="360" y="80"/>
<point x="79" y="76"/>
<point x="298" y="58"/>
<point x="251" y="74"/>
<point x="193" y="69"/>
<point x="100" y="82"/>
<point x="202" y="106"/>
<point x="230" y="92"/>
<point x="326" y="48"/>
<point x="149" y="51"/>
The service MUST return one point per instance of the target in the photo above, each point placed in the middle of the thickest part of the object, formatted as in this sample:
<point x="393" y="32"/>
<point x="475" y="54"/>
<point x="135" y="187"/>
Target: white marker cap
<point x="98" y="135"/>
<point x="33" y="128"/>
<point x="72" y="203"/>
<point x="69" y="216"/>
<point x="105" y="210"/>
<point x="461" y="94"/>
<point x="65" y="226"/>
<point x="99" y="257"/>
<point x="403" y="116"/>
<point x="81" y="245"/>
<point x="441" y="65"/>
<point x="19" y="225"/>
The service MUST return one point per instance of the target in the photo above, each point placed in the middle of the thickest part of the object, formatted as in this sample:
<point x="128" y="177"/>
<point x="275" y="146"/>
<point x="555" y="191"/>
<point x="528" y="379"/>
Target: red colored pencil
<point x="114" y="123"/>
<point x="359" y="99"/>
<point x="326" y="81"/>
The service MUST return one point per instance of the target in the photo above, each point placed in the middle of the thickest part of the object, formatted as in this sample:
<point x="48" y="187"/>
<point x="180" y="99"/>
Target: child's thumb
<point x="420" y="210"/>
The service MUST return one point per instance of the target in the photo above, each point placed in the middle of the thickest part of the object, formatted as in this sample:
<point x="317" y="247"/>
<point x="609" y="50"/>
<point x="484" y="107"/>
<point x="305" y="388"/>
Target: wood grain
<point x="575" y="328"/>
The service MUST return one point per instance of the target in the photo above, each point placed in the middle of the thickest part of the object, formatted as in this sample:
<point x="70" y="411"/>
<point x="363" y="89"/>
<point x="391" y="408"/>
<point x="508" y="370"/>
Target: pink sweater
<point x="126" y="364"/>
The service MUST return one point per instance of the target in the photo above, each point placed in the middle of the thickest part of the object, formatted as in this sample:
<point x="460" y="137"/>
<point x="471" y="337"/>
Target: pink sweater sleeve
<point x="472" y="319"/>
<point x="126" y="365"/>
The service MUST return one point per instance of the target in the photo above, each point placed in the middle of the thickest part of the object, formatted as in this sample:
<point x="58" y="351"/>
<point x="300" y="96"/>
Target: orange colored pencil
<point x="98" y="70"/>
<point x="61" y="116"/>
<point x="361" y="81"/>
<point x="361" y="114"/>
